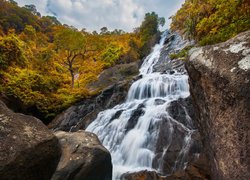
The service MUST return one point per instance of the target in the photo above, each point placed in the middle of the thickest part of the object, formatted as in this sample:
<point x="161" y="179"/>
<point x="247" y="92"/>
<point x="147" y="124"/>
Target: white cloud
<point x="114" y="14"/>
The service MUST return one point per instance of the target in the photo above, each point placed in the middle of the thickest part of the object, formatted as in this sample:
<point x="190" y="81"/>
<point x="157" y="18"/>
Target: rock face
<point x="115" y="82"/>
<point x="220" y="86"/>
<point x="28" y="150"/>
<point x="83" y="157"/>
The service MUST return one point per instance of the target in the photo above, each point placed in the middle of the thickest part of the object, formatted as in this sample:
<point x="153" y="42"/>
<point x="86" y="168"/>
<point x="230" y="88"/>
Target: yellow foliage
<point x="212" y="21"/>
<point x="35" y="57"/>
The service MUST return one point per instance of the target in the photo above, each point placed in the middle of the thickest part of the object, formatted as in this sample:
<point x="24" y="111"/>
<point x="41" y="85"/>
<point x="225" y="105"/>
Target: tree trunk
<point x="72" y="78"/>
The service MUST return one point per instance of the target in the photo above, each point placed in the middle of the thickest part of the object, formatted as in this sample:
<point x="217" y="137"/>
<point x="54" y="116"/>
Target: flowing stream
<point x="130" y="131"/>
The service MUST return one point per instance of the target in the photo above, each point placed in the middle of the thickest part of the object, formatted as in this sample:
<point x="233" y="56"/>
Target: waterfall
<point x="131" y="131"/>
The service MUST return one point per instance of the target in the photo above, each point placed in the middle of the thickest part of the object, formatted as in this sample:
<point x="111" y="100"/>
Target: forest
<point x="45" y="66"/>
<point x="212" y="21"/>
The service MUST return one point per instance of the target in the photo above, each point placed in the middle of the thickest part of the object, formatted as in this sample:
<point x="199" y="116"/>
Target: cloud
<point x="95" y="14"/>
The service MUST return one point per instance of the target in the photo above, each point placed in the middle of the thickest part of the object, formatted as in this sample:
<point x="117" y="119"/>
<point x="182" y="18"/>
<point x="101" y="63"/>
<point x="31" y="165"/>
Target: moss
<point x="181" y="55"/>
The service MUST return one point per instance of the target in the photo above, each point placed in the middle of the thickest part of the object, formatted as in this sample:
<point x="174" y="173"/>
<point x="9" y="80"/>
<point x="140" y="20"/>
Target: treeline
<point x="46" y="66"/>
<point x="212" y="21"/>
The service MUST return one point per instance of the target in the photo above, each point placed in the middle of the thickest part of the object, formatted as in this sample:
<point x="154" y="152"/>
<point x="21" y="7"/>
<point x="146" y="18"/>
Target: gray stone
<point x="83" y="157"/>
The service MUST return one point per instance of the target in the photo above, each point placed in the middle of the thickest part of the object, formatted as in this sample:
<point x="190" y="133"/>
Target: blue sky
<point x="95" y="14"/>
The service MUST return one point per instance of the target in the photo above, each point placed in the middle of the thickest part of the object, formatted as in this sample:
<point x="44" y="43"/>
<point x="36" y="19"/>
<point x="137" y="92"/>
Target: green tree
<point x="150" y="25"/>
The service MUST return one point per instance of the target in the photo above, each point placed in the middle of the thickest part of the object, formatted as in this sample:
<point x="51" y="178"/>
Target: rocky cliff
<point x="220" y="88"/>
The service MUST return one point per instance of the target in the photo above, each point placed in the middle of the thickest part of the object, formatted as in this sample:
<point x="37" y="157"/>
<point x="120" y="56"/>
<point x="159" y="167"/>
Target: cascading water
<point x="131" y="131"/>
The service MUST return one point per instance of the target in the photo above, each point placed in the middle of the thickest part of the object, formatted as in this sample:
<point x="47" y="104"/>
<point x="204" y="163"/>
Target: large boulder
<point x="83" y="157"/>
<point x="220" y="88"/>
<point x="28" y="150"/>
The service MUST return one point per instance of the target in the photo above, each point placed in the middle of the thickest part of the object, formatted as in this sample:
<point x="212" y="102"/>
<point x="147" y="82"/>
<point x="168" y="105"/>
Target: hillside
<point x="45" y="66"/>
<point x="212" y="21"/>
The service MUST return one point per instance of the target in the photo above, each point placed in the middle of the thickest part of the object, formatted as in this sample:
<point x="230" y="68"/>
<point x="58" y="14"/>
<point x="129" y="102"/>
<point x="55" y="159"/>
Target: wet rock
<point x="83" y="157"/>
<point x="168" y="147"/>
<point x="136" y="114"/>
<point x="182" y="111"/>
<point x="173" y="134"/>
<point x="165" y="64"/>
<point x="220" y="86"/>
<point x="137" y="77"/>
<point x="171" y="72"/>
<point x="28" y="150"/>
<point x="169" y="39"/>
<point x="159" y="101"/>
<point x="117" y="115"/>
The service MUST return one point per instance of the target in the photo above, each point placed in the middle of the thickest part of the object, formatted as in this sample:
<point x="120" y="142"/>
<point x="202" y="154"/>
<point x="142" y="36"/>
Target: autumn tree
<point x="111" y="55"/>
<point x="72" y="45"/>
<point x="212" y="21"/>
<point x="10" y="52"/>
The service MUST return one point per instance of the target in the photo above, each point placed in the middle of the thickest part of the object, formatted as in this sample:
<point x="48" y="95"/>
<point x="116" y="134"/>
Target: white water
<point x="132" y="142"/>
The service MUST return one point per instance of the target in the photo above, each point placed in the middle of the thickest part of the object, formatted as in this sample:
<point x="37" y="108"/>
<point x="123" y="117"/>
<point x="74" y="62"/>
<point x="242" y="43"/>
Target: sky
<point x="95" y="14"/>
